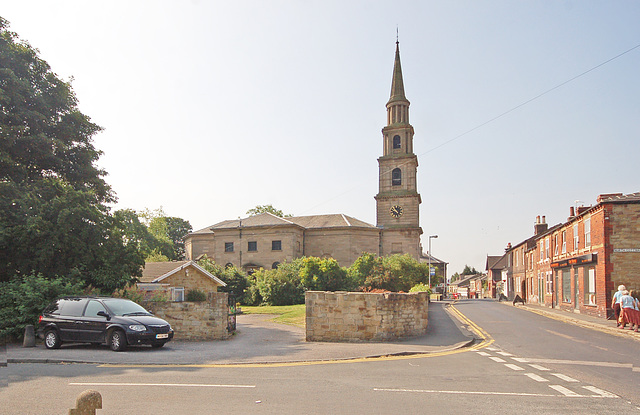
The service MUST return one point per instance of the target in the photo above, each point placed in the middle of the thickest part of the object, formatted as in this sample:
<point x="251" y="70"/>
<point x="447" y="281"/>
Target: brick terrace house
<point x="577" y="265"/>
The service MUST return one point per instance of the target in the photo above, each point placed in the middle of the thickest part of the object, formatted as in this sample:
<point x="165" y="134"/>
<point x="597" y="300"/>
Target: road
<point x="528" y="364"/>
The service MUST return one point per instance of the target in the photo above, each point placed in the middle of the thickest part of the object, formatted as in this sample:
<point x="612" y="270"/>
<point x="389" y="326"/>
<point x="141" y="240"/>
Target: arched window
<point x="396" y="177"/>
<point x="228" y="265"/>
<point x="396" y="141"/>
<point x="275" y="265"/>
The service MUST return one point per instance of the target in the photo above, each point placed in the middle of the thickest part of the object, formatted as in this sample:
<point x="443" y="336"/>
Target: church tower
<point x="398" y="201"/>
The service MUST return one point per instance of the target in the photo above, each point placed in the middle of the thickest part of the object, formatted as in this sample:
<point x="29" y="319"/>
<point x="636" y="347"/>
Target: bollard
<point x="87" y="403"/>
<point x="29" y="337"/>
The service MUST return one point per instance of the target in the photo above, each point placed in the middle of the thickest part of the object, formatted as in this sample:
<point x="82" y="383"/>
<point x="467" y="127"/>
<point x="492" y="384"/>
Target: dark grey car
<point x="115" y="321"/>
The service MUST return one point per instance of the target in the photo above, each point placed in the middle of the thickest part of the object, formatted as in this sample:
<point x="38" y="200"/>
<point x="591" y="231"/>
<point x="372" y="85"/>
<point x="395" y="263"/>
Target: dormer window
<point x="396" y="177"/>
<point x="396" y="141"/>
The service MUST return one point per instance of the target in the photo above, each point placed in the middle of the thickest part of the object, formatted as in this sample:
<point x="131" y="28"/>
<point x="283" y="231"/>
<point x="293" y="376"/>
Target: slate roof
<point x="619" y="198"/>
<point x="307" y="222"/>
<point x="157" y="271"/>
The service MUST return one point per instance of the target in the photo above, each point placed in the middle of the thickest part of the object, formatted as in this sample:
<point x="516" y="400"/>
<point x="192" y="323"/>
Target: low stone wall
<point x="206" y="320"/>
<point x="361" y="317"/>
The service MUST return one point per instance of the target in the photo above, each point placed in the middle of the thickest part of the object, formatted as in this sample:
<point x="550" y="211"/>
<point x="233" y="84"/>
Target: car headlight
<point x="137" y="327"/>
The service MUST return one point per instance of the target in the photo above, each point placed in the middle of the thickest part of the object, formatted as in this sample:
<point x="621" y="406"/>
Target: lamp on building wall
<point x="430" y="237"/>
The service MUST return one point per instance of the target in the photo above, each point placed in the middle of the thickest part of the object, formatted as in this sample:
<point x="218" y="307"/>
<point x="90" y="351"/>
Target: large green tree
<point x="168" y="232"/>
<point x="54" y="215"/>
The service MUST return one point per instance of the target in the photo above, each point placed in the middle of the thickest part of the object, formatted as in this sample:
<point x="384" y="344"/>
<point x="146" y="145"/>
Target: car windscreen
<point x="122" y="307"/>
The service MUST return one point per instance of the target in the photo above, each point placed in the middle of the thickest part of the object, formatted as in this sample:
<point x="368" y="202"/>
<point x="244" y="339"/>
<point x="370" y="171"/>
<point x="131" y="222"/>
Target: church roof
<point x="397" y="84"/>
<point x="307" y="222"/>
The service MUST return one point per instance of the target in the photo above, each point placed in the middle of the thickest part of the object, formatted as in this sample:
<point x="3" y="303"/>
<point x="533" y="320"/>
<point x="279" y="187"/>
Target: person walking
<point x="627" y="310"/>
<point x="636" y="306"/>
<point x="615" y="302"/>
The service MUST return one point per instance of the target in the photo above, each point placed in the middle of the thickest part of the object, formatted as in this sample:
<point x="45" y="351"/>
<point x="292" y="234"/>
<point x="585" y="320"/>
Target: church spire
<point x="398" y="104"/>
<point x="397" y="85"/>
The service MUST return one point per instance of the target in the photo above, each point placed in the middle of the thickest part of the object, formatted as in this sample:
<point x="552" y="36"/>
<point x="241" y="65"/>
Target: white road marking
<point x="574" y="362"/>
<point x="565" y="391"/>
<point x="564" y="377"/>
<point x="493" y="349"/>
<point x="513" y="367"/>
<point x="535" y="377"/>
<point x="463" y="392"/>
<point x="539" y="367"/>
<point x="183" y="385"/>
<point x="497" y="359"/>
<point x="600" y="392"/>
<point x="504" y="354"/>
<point x="484" y="354"/>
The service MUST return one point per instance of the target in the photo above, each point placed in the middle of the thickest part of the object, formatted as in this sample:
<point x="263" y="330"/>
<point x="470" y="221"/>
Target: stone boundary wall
<point x="365" y="317"/>
<point x="206" y="320"/>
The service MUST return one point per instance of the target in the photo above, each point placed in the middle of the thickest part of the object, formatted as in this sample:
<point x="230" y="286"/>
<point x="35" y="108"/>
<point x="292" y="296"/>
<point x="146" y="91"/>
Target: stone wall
<point x="361" y="317"/>
<point x="206" y="320"/>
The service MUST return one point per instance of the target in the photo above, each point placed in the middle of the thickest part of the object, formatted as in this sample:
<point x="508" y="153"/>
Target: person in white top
<point x="628" y="308"/>
<point x="615" y="302"/>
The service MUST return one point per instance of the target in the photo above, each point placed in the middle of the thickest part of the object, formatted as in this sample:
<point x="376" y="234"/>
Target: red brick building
<point x="577" y="265"/>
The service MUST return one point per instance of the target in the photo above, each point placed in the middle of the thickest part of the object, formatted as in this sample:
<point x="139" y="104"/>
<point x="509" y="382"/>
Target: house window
<point x="276" y="245"/>
<point x="275" y="265"/>
<point x="177" y="294"/>
<point x="396" y="177"/>
<point x="587" y="232"/>
<point x="546" y="247"/>
<point x="541" y="250"/>
<point x="253" y="246"/>
<point x="576" y="238"/>
<point x="590" y="287"/>
<point x="396" y="141"/>
<point x="228" y="265"/>
<point x="228" y="247"/>
<point x="566" y="285"/>
<point x="555" y="248"/>
<point x="564" y="242"/>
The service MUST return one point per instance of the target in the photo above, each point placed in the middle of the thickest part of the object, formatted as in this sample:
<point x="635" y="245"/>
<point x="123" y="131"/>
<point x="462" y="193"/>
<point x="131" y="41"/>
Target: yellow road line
<point x="479" y="332"/>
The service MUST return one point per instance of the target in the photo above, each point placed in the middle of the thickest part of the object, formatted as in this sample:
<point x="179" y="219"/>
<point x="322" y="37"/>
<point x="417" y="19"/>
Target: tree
<point x="54" y="215"/>
<point x="469" y="270"/>
<point x="168" y="232"/>
<point x="267" y="209"/>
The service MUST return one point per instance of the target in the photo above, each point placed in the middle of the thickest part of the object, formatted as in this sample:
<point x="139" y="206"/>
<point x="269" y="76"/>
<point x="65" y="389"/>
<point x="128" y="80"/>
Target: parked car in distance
<point x="116" y="321"/>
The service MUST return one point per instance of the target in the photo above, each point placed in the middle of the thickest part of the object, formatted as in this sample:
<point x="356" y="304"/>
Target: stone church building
<point x="265" y="240"/>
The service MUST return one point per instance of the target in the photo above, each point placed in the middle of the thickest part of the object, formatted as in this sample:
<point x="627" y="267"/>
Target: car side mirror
<point x="104" y="314"/>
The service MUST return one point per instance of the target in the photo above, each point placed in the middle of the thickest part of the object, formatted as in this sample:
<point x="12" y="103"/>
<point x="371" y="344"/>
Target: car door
<point x="70" y="323"/>
<point x="95" y="325"/>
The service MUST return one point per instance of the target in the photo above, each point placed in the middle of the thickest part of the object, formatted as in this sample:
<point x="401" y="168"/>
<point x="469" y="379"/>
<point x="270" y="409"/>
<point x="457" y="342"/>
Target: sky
<point x="210" y="108"/>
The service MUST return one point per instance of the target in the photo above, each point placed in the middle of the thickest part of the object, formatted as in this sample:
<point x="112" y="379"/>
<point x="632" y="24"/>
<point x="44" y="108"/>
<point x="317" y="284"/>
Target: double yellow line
<point x="485" y="338"/>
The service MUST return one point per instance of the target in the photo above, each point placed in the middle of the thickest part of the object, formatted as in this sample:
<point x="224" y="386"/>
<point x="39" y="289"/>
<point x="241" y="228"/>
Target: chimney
<point x="508" y="248"/>
<point x="540" y="226"/>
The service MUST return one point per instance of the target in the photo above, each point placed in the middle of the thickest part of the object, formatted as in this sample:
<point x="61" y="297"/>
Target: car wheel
<point x="52" y="340"/>
<point x="157" y="345"/>
<point x="117" y="341"/>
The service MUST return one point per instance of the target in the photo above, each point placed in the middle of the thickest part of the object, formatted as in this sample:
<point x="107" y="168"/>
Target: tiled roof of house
<point x="153" y="270"/>
<point x="307" y="222"/>
<point x="619" y="198"/>
<point x="157" y="271"/>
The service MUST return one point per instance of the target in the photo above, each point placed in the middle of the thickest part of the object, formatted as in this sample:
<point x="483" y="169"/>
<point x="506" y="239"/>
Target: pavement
<point x="258" y="340"/>
<point x="579" y="319"/>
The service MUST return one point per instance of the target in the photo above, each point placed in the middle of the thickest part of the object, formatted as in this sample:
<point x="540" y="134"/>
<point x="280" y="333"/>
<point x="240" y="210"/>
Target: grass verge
<point x="287" y="314"/>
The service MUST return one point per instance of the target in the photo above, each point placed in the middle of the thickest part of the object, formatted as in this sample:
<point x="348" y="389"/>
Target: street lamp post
<point x="430" y="237"/>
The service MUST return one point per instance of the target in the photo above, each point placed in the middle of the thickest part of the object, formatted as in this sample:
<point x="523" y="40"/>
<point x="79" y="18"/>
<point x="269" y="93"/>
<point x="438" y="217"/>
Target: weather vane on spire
<point x="397" y="35"/>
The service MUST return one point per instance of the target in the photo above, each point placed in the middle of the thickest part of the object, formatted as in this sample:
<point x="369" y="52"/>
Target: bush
<point x="420" y="288"/>
<point x="281" y="286"/>
<point x="196" y="296"/>
<point x="236" y="280"/>
<point x="24" y="299"/>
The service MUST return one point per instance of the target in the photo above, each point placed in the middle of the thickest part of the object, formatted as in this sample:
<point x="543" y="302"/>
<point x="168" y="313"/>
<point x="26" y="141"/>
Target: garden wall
<point x="205" y="320"/>
<point x="361" y="317"/>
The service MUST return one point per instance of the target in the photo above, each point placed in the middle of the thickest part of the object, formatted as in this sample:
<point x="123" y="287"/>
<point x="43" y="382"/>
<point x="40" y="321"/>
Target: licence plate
<point x="162" y="336"/>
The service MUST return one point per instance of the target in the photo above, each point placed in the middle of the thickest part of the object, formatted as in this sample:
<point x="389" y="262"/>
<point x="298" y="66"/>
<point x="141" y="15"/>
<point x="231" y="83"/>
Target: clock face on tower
<point x="396" y="211"/>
